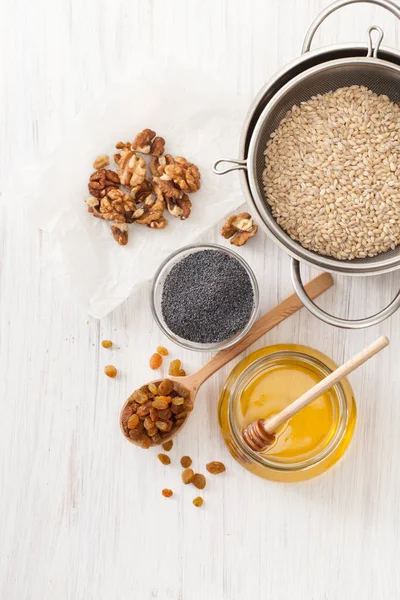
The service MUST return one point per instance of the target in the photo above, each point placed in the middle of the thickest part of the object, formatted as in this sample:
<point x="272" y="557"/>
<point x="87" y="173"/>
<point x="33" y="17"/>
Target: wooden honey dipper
<point x="260" y="434"/>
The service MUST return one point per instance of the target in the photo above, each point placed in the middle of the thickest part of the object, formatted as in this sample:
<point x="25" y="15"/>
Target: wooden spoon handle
<point x="288" y="307"/>
<point x="270" y="425"/>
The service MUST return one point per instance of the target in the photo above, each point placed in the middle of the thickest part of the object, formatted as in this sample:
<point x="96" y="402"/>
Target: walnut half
<point x="146" y="142"/>
<point x="239" y="228"/>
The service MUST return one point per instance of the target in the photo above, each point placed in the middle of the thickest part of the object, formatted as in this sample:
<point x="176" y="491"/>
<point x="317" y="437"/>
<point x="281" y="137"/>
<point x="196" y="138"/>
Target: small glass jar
<point x="157" y="289"/>
<point x="282" y="369"/>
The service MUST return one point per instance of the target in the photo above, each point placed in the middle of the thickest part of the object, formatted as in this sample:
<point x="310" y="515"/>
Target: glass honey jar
<point x="266" y="381"/>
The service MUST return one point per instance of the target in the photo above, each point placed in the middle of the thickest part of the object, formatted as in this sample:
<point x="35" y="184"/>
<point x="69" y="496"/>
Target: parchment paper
<point x="199" y="120"/>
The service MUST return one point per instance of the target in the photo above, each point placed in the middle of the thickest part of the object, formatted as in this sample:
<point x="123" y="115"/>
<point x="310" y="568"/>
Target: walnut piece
<point x="158" y="164"/>
<point x="117" y="206"/>
<point x="102" y="181"/>
<point x="140" y="192"/>
<point x="184" y="174"/>
<point x="181" y="207"/>
<point x="152" y="213"/>
<point x="241" y="227"/>
<point x="161" y="223"/>
<point x="101" y="161"/>
<point x="167" y="188"/>
<point x="131" y="168"/>
<point x="145" y="144"/>
<point x="120" y="234"/>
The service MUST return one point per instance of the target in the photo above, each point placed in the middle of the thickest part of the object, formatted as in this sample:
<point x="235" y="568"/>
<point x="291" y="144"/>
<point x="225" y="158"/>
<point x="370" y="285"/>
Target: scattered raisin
<point x="164" y="459"/>
<point x="168" y="445"/>
<point x="175" y="367"/>
<point x="133" y="421"/>
<point x="106" y="344"/>
<point x="186" y="461"/>
<point x="199" y="481"/>
<point x="110" y="371"/>
<point x="182" y="373"/>
<point x="198" y="501"/>
<point x="167" y="493"/>
<point x="166" y="387"/>
<point x="155" y="361"/>
<point x="215" y="467"/>
<point x="161" y="350"/>
<point x="187" y="476"/>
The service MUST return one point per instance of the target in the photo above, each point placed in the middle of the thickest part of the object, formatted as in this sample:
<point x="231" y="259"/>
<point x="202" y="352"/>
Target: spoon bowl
<point x="192" y="383"/>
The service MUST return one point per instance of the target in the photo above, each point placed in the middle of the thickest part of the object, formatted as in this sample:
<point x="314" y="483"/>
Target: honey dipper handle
<point x="271" y="424"/>
<point x="292" y="304"/>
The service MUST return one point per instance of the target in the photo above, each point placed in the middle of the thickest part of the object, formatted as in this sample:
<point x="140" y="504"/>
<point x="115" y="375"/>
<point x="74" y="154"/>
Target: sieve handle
<point x="388" y="4"/>
<point x="240" y="165"/>
<point x="337" y="321"/>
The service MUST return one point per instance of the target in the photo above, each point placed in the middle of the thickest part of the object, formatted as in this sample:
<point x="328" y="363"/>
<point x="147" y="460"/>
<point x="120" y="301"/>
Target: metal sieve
<point x="382" y="77"/>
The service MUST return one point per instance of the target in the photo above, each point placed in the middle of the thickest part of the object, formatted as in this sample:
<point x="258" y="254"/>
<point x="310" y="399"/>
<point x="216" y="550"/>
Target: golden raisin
<point x="160" y="404"/>
<point x="155" y="361"/>
<point x="181" y="390"/>
<point x="162" y="350"/>
<point x="164" y="459"/>
<point x="106" y="343"/>
<point x="162" y="426"/>
<point x="178" y="400"/>
<point x="167" y="493"/>
<point x="187" y="476"/>
<point x="174" y="367"/>
<point x="198" y="501"/>
<point x="110" y="371"/>
<point x="133" y="421"/>
<point x="168" y="445"/>
<point x="153" y="388"/>
<point x="139" y="396"/>
<point x="186" y="461"/>
<point x="166" y="387"/>
<point x="153" y="431"/>
<point x="182" y="373"/>
<point x="199" y="481"/>
<point x="215" y="467"/>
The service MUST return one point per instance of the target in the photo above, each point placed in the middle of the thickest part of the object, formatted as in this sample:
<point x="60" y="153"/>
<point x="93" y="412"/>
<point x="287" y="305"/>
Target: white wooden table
<point x="82" y="515"/>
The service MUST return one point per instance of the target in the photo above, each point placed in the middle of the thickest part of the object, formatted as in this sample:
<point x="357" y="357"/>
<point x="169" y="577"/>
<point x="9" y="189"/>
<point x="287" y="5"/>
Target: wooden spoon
<point x="288" y="307"/>
<point x="260" y="434"/>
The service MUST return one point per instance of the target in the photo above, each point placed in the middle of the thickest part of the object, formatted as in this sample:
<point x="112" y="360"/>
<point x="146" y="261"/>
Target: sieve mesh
<point x="379" y="76"/>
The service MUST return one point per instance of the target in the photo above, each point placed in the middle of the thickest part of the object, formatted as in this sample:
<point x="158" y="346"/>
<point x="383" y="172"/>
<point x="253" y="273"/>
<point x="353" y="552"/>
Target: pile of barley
<point x="332" y="175"/>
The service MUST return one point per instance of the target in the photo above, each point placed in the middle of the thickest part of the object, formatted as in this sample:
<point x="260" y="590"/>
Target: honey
<point x="262" y="385"/>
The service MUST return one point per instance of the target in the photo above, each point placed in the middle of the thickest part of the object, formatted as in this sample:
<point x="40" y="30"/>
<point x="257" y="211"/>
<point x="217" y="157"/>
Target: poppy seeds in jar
<point x="207" y="297"/>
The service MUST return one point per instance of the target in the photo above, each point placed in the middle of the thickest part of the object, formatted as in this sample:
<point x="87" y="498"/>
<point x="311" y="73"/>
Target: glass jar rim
<point x="250" y="371"/>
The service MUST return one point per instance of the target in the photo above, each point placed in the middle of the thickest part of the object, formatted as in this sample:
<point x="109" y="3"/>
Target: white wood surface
<point x="82" y="515"/>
